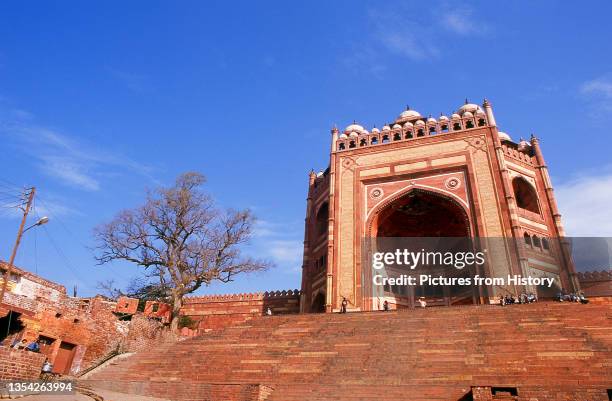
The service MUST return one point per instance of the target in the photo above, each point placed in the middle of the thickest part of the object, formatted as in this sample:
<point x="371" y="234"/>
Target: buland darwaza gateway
<point x="456" y="176"/>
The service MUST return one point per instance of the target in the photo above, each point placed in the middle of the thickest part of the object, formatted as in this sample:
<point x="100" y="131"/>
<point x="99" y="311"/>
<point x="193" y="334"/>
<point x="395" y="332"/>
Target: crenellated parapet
<point x="595" y="275"/>
<point x="518" y="151"/>
<point x="410" y="125"/>
<point x="252" y="296"/>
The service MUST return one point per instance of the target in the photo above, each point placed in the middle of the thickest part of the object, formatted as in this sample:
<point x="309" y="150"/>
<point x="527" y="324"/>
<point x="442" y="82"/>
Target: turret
<point x="489" y="112"/>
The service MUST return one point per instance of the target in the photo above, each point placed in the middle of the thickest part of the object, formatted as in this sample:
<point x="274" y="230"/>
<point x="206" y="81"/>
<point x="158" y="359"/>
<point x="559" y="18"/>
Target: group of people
<point x="572" y="297"/>
<point x="32" y="346"/>
<point x="521" y="299"/>
<point x="385" y="306"/>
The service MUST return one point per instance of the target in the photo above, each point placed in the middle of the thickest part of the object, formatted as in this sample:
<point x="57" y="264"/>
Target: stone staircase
<point x="544" y="351"/>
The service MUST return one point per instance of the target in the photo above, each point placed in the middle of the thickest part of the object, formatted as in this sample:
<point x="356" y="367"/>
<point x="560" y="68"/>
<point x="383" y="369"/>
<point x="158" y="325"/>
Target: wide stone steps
<point x="537" y="345"/>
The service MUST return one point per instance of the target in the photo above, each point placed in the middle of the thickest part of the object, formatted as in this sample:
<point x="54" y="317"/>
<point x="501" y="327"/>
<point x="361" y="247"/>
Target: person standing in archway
<point x="343" y="305"/>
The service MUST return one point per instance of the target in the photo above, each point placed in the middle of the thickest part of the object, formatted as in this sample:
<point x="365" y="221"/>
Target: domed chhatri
<point x="407" y="115"/>
<point x="504" y="137"/>
<point x="354" y="127"/>
<point x="468" y="116"/>
<point x="469" y="107"/>
<point x="523" y="145"/>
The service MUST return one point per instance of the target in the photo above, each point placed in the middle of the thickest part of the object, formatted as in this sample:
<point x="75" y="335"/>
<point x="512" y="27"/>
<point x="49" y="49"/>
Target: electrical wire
<point x="7" y="183"/>
<point x="61" y="253"/>
<point x="75" y="237"/>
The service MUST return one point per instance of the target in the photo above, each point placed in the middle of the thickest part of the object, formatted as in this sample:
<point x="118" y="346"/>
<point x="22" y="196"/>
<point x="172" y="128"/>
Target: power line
<point x="61" y="253"/>
<point x="7" y="183"/>
<point x="75" y="237"/>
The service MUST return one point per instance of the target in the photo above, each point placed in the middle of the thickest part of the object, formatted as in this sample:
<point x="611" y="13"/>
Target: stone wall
<point x="215" y="312"/>
<point x="145" y="333"/>
<point x="596" y="283"/>
<point x="19" y="364"/>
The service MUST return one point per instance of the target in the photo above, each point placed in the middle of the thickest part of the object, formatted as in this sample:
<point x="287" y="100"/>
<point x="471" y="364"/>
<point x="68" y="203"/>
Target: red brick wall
<point x="19" y="364"/>
<point x="215" y="312"/>
<point x="158" y="310"/>
<point x="127" y="305"/>
<point x="145" y="333"/>
<point x="596" y="283"/>
<point x="95" y="330"/>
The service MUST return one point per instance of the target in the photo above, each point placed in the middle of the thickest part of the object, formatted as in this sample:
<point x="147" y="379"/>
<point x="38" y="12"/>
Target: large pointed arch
<point x="449" y="202"/>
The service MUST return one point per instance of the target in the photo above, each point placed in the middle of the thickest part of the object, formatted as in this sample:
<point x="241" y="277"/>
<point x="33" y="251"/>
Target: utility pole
<point x="7" y="274"/>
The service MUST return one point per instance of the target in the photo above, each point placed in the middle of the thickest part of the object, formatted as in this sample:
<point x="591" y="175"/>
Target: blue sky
<point x="99" y="101"/>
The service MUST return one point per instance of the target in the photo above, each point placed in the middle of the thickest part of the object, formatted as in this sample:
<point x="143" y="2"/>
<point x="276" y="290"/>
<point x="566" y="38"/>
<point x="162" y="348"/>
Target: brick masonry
<point x="92" y="327"/>
<point x="219" y="311"/>
<point x="541" y="352"/>
<point x="19" y="365"/>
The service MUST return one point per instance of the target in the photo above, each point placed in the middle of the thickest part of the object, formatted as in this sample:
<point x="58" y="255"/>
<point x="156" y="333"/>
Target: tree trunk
<point x="177" y="304"/>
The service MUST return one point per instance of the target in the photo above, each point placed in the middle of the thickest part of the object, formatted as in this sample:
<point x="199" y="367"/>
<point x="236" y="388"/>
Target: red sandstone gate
<point x="423" y="214"/>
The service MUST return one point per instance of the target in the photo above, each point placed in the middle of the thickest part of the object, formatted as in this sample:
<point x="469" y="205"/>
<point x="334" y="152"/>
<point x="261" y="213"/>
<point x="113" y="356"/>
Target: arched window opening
<point x="385" y="139"/>
<point x="323" y="262"/>
<point x="527" y="238"/>
<point x="536" y="241"/>
<point x="408" y="135"/>
<point x="363" y="142"/>
<point x="432" y="130"/>
<point x="545" y="244"/>
<point x="322" y="219"/>
<point x="352" y="144"/>
<point x="318" y="304"/>
<point x="420" y="133"/>
<point x="341" y="146"/>
<point x="444" y="128"/>
<point x="397" y="137"/>
<point x="525" y="194"/>
<point x="456" y="127"/>
<point x="481" y="122"/>
<point x="374" y="141"/>
<point x="469" y="124"/>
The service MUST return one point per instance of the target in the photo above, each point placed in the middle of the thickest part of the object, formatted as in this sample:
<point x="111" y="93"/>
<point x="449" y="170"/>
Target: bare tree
<point x="180" y="239"/>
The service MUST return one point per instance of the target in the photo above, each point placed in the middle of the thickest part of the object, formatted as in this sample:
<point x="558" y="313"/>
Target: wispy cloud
<point x="60" y="156"/>
<point x="599" y="87"/>
<point x="598" y="93"/>
<point x="287" y="252"/>
<point x="461" y="20"/>
<point x="280" y="242"/>
<point x="138" y="83"/>
<point x="416" y="37"/>
<point x="53" y="207"/>
<point x="402" y="36"/>
<point x="407" y="44"/>
<point x="585" y="204"/>
<point x="266" y="229"/>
